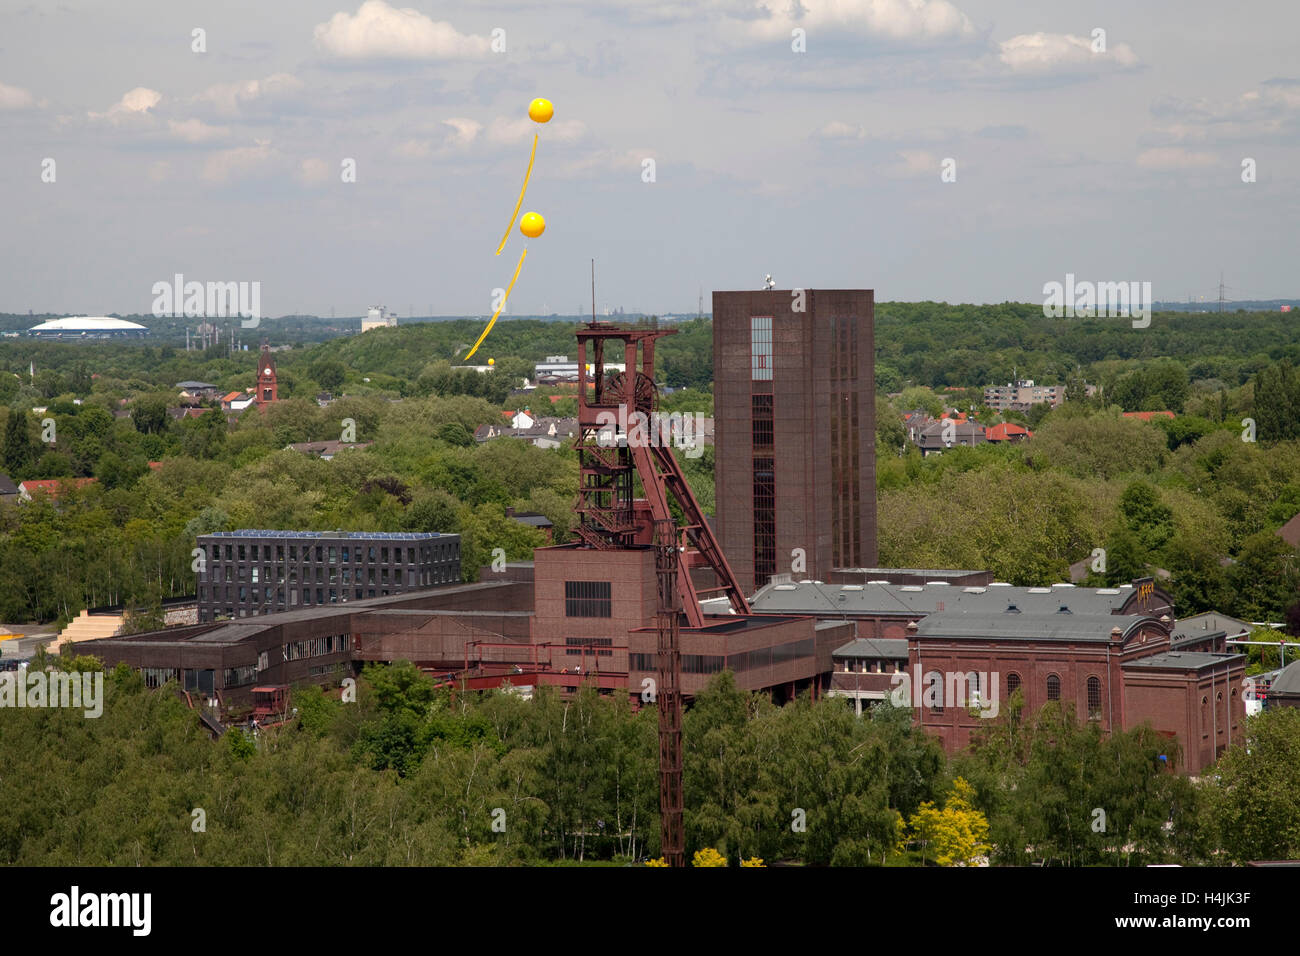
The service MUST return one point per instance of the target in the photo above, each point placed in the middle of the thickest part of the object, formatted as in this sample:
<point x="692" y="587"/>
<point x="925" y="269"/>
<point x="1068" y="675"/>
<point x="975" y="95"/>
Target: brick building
<point x="794" y="422"/>
<point x="319" y="645"/>
<point x="1114" y="653"/>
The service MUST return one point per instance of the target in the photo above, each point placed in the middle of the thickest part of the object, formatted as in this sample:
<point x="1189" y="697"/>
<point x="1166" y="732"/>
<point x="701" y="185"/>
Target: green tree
<point x="20" y="448"/>
<point x="1255" y="801"/>
<point x="1277" y="403"/>
<point x="329" y="373"/>
<point x="149" y="415"/>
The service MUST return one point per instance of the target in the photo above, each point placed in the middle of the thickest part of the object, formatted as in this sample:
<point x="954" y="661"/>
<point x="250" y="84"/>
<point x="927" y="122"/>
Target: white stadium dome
<point x="88" y="325"/>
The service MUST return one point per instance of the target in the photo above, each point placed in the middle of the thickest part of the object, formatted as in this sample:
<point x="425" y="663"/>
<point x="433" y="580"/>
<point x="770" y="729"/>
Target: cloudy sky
<point x="822" y="167"/>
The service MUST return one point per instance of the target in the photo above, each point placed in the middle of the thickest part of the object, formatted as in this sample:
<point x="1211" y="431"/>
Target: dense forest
<point x="414" y="775"/>
<point x="411" y="775"/>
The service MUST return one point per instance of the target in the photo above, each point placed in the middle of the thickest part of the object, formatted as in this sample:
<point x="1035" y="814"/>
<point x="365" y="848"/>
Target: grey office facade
<point x="250" y="572"/>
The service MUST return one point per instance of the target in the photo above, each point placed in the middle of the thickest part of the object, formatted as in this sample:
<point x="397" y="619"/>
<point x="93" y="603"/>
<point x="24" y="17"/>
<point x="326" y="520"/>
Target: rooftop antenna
<point x="593" y="291"/>
<point x="768" y="282"/>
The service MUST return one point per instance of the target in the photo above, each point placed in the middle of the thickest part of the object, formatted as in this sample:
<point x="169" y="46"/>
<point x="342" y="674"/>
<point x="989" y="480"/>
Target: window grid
<point x="760" y="347"/>
<point x="587" y="599"/>
<point x="1094" y="698"/>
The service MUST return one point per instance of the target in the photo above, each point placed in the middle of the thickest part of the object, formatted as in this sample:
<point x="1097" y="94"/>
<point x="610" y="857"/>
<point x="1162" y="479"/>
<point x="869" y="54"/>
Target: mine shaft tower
<point x="610" y="465"/>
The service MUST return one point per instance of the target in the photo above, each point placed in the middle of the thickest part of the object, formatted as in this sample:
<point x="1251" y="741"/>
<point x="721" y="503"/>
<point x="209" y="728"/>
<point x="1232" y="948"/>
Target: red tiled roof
<point x="50" y="486"/>
<point x="1147" y="416"/>
<point x="1006" y="431"/>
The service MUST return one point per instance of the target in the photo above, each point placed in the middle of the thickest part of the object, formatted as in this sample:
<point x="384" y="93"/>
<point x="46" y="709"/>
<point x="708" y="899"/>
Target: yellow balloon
<point x="492" y="361"/>
<point x="540" y="110"/>
<point x="532" y="225"/>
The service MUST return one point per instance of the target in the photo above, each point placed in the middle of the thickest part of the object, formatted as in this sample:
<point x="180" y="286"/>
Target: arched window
<point x="1205" y="716"/>
<point x="1013" y="682"/>
<point x="1053" y="687"/>
<point x="1094" y="698"/>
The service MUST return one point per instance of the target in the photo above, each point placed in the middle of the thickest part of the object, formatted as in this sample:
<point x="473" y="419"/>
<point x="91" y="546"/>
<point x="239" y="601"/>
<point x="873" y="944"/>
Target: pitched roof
<point x="1147" y="416"/>
<point x="1208" y="622"/>
<point x="1006" y="431"/>
<point x="916" y="599"/>
<point x="52" y="486"/>
<point x="983" y="625"/>
<point x="1287" y="682"/>
<point x="1290" y="532"/>
<point x="891" y="648"/>
<point x="7" y="486"/>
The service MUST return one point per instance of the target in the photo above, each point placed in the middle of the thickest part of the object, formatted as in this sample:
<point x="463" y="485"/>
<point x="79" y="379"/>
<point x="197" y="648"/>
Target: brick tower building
<point x="795" y="425"/>
<point x="267" y="391"/>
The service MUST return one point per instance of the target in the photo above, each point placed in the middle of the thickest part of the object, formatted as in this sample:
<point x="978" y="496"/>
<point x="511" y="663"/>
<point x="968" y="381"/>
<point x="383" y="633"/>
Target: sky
<point x="963" y="151"/>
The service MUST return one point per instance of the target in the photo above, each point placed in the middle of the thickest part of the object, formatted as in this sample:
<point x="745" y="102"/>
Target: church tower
<point x="266" y="388"/>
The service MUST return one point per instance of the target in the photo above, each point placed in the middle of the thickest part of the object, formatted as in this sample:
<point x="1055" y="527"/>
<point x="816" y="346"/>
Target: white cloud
<point x="196" y="131"/>
<point x="134" y="103"/>
<point x="916" y="162"/>
<point x="227" y="98"/>
<point x="464" y="131"/>
<point x="1061" y="53"/>
<point x="624" y="162"/>
<point x="414" y="149"/>
<point x="1174" y="157"/>
<point x="378" y="30"/>
<point x="893" y="19"/>
<point x="837" y="130"/>
<point x="15" y="98"/>
<point x="238" y="163"/>
<point x="314" y="172"/>
<point x="516" y="130"/>
<point x="1271" y="111"/>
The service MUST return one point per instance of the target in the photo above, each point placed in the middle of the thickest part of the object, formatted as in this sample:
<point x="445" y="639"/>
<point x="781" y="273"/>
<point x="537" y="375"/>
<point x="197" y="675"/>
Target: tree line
<point x="413" y="775"/>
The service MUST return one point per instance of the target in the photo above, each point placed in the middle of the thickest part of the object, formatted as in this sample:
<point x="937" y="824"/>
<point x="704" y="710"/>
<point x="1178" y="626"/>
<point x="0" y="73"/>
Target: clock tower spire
<point x="267" y="390"/>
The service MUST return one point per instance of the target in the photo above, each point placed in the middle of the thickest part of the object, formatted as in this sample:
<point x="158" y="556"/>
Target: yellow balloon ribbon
<point x="527" y="174"/>
<point x="503" y="304"/>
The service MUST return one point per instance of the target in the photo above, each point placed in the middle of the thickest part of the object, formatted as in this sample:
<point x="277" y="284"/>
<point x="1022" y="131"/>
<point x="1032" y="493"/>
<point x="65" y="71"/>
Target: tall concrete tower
<point x="795" y="425"/>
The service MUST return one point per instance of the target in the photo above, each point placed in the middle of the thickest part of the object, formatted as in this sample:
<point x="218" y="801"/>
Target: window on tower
<point x="760" y="347"/>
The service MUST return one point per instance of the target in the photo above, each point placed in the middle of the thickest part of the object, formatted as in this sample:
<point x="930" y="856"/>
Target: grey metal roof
<point x="531" y="518"/>
<point x="873" y="647"/>
<point x="1183" y="660"/>
<point x="1029" y="627"/>
<point x="937" y="573"/>
<point x="1206" y="623"/>
<point x="910" y="599"/>
<point x="326" y="535"/>
<point x="1287" y="682"/>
